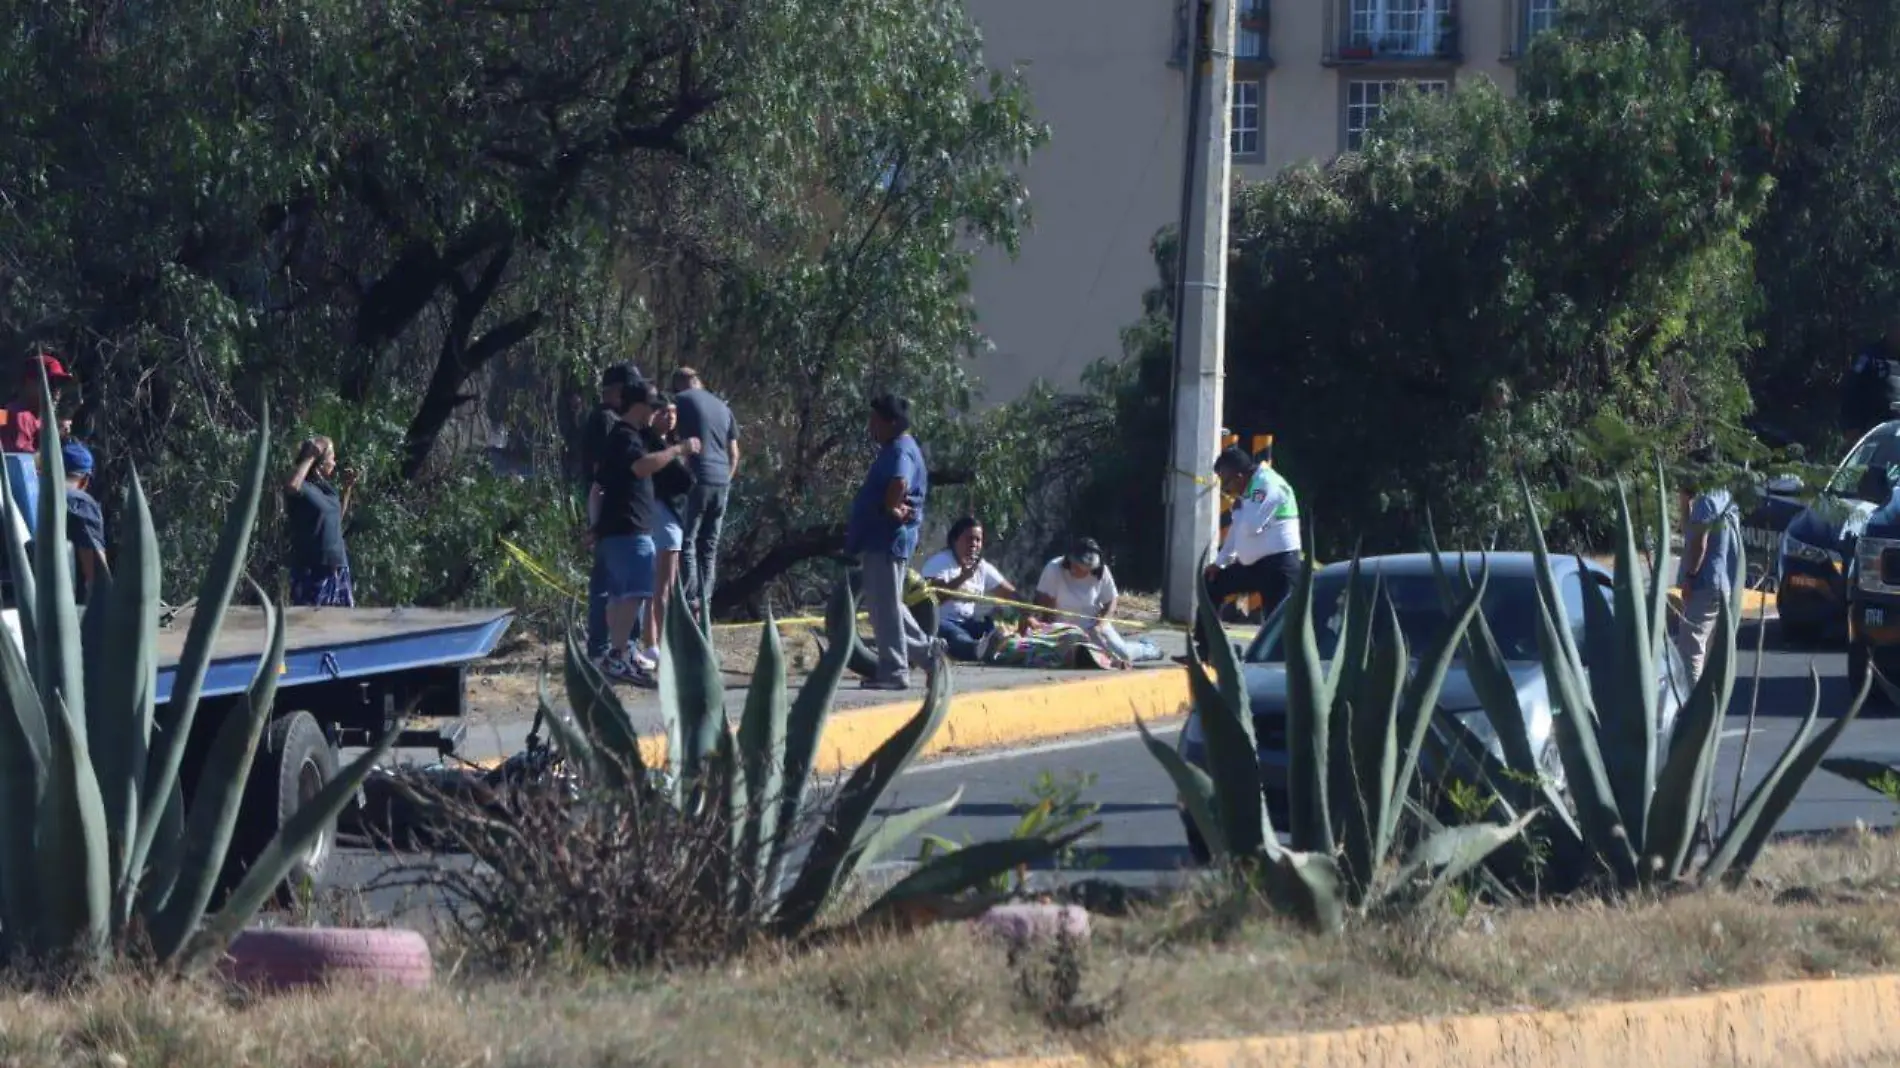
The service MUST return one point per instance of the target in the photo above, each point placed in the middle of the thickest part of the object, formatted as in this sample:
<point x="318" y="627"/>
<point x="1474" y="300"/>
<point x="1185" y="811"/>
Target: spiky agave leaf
<point x="1196" y="790"/>
<point x="762" y="730"/>
<point x="805" y="725"/>
<point x="1232" y="757"/>
<point x="214" y="599"/>
<point x="838" y="850"/>
<point x="271" y="867"/>
<point x="213" y="814"/>
<point x="692" y="692"/>
<point x="1309" y="705"/>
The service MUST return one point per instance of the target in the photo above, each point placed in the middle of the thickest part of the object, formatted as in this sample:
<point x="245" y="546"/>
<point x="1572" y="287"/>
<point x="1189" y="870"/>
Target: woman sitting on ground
<point x="1078" y="586"/>
<point x="965" y="625"/>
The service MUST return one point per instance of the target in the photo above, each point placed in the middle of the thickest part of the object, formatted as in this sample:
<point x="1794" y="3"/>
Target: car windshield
<point x="1509" y="607"/>
<point x="1869" y="472"/>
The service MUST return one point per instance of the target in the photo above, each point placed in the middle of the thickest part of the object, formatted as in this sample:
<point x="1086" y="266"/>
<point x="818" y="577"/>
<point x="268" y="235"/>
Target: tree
<point x="1828" y="240"/>
<point x="379" y="213"/>
<point x="1474" y="292"/>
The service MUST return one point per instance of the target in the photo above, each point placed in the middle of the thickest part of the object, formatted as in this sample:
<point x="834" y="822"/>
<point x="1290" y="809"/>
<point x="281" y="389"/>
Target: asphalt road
<point x="1140" y="839"/>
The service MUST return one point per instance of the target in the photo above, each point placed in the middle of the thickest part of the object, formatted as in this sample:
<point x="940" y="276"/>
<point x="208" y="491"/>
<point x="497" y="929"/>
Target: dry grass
<point x="1198" y="968"/>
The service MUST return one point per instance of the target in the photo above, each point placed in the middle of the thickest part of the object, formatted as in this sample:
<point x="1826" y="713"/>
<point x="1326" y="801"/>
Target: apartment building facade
<point x="1109" y="76"/>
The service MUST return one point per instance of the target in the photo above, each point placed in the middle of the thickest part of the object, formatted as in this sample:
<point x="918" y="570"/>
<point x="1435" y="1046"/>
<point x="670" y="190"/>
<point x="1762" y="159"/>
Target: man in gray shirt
<point x="1708" y="572"/>
<point x="703" y="415"/>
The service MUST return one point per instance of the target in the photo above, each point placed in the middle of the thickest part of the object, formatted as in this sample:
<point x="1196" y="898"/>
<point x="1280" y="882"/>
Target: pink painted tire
<point x="1024" y="923"/>
<point x="281" y="958"/>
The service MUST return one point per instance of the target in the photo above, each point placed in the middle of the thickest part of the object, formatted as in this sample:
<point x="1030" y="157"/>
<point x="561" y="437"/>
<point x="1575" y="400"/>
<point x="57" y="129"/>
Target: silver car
<point x="1510" y="610"/>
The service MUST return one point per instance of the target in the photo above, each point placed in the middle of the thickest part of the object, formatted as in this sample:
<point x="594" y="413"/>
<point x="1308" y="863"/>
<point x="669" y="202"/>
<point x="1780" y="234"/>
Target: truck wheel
<point x="295" y="761"/>
<point x="1857" y="671"/>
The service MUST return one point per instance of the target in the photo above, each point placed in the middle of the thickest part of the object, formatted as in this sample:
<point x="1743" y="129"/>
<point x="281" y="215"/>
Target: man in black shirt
<point x="623" y="530"/>
<point x="593" y="436"/>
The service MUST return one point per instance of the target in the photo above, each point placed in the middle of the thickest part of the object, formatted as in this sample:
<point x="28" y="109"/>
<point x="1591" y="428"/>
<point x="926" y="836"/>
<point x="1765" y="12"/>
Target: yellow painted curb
<point x="1789" y="1025"/>
<point x="991" y="719"/>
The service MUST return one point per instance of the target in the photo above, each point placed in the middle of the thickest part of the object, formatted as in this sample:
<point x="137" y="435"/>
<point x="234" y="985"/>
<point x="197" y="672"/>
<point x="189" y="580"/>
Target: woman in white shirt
<point x="1079" y="585"/>
<point x="965" y="626"/>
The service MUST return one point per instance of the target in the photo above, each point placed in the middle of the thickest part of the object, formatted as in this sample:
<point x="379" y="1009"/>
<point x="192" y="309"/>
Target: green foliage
<point x="1053" y="809"/>
<point x="418" y="226"/>
<point x="752" y="787"/>
<point x="99" y="854"/>
<point x="1636" y="804"/>
<point x="1355" y="729"/>
<point x="1469" y="295"/>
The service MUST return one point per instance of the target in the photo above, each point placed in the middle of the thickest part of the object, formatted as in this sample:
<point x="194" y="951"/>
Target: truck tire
<point x="284" y="958"/>
<point x="1857" y="671"/>
<point x="295" y="761"/>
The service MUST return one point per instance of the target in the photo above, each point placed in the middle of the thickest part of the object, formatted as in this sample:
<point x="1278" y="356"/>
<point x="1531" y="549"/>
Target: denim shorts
<point x="668" y="534"/>
<point x="627" y="563"/>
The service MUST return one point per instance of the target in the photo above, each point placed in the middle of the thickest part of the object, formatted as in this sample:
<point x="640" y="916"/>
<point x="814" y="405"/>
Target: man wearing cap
<point x="85" y="523"/>
<point x="21" y="430"/>
<point x="601" y="422"/>
<point x="624" y="549"/>
<point x="1262" y="554"/>
<point x="886" y="517"/>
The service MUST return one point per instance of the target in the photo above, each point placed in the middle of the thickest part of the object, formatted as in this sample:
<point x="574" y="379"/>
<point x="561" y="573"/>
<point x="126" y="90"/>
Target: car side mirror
<point x="1786" y="485"/>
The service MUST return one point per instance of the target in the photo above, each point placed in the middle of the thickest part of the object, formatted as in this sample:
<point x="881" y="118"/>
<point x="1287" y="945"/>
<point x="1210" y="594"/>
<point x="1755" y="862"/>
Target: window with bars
<point x="1397" y="27"/>
<point x="1365" y="102"/>
<point x="1244" y="128"/>
<point x="1539" y="15"/>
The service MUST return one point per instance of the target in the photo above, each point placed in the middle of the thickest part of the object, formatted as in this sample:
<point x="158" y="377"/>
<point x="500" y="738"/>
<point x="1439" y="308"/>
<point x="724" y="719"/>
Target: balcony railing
<point x="1391" y="31"/>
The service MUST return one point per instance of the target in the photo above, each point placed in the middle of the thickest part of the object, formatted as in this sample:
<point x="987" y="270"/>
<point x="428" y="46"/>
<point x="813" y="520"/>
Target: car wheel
<point x="1857" y="670"/>
<point x="1796" y="635"/>
<point x="1197" y="847"/>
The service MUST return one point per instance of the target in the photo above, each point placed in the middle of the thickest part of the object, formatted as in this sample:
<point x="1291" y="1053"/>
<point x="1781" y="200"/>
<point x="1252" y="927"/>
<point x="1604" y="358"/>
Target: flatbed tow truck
<point x="348" y="675"/>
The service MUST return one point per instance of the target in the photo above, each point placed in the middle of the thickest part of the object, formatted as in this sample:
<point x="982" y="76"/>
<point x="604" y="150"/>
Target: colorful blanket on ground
<point x="1067" y="645"/>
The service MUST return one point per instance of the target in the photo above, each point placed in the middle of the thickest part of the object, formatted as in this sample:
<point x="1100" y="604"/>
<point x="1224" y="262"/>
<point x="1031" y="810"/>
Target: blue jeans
<point x="597" y="608"/>
<point x="960" y="637"/>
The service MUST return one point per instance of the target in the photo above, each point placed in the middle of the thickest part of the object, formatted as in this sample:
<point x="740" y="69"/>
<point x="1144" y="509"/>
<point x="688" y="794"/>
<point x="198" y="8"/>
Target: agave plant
<point x="755" y="783"/>
<point x="1633" y="811"/>
<point x="1354" y="735"/>
<point x="99" y="852"/>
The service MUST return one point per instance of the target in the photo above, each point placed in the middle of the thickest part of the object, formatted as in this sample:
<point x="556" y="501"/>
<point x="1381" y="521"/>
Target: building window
<point x="1244" y="136"/>
<point x="1539" y="15"/>
<point x="1365" y="102"/>
<point x="1397" y="27"/>
<point x="1247" y="44"/>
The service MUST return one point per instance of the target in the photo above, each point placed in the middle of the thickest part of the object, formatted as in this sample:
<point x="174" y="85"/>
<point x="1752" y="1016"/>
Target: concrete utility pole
<point x="1200" y="332"/>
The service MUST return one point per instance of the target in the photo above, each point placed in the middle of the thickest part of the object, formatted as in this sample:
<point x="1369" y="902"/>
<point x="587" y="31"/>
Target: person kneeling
<point x="965" y="626"/>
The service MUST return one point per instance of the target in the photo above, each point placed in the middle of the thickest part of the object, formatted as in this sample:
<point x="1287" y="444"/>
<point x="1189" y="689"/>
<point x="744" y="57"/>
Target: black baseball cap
<point x="1086" y="551"/>
<point x="622" y="374"/>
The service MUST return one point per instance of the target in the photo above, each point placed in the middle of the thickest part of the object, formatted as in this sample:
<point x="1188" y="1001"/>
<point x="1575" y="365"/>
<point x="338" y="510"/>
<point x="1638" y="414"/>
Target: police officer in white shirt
<point x="1262" y="553"/>
<point x="965" y="625"/>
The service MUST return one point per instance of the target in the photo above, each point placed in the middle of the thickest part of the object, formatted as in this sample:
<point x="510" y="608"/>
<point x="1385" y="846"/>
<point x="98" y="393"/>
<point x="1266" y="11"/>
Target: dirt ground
<point x="503" y="687"/>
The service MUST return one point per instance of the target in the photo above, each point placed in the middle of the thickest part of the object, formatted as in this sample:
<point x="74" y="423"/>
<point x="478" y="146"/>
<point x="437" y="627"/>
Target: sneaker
<point x="646" y="660"/>
<point x="985" y="646"/>
<point x="616" y="666"/>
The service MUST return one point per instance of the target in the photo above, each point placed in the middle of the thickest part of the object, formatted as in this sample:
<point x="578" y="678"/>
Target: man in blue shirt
<point x="1709" y="536"/>
<point x="85" y="523"/>
<point x="886" y="518"/>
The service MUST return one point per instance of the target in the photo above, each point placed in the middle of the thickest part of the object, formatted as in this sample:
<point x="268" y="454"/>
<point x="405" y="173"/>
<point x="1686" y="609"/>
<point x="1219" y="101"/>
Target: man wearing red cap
<point x="21" y="430"/>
